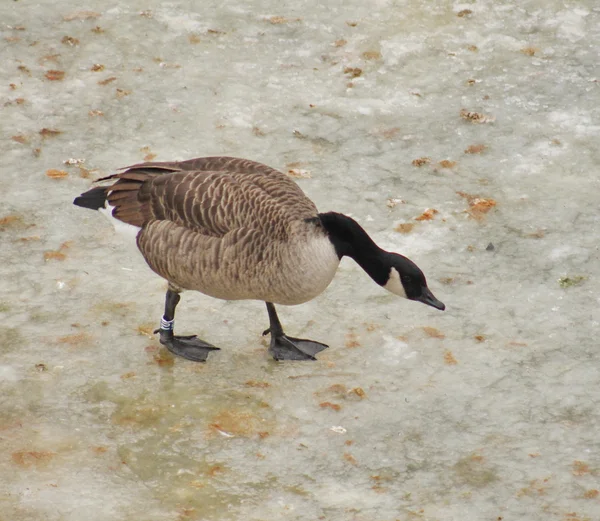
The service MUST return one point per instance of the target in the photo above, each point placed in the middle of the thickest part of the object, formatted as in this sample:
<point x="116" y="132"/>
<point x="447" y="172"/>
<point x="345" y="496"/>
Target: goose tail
<point x="94" y="199"/>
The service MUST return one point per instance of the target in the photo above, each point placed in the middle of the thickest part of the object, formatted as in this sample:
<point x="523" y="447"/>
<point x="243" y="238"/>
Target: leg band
<point x="166" y="325"/>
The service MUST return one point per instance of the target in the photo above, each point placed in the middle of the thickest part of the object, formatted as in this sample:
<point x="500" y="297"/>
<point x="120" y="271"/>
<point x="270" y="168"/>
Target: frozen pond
<point x="481" y="119"/>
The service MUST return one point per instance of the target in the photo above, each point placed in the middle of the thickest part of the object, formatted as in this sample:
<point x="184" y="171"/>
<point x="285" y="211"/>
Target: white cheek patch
<point x="394" y="285"/>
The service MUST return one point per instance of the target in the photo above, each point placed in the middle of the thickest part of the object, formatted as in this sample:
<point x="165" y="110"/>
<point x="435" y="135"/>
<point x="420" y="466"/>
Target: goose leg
<point x="189" y="347"/>
<point x="285" y="347"/>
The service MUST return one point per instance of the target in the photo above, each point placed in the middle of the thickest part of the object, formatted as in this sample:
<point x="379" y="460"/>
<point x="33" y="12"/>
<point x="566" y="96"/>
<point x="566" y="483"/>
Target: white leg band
<point x="166" y="325"/>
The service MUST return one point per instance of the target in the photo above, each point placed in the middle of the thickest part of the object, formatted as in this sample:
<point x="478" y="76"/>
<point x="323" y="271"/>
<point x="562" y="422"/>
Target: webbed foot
<point x="285" y="347"/>
<point x="189" y="347"/>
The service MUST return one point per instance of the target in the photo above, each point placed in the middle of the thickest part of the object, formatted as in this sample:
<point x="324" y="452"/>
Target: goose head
<point x="392" y="271"/>
<point x="405" y="279"/>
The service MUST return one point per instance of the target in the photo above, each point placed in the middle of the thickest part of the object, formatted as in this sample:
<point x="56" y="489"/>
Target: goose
<point x="236" y="229"/>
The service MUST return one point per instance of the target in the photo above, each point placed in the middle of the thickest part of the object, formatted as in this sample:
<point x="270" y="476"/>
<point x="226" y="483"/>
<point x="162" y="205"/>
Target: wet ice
<point x="497" y="417"/>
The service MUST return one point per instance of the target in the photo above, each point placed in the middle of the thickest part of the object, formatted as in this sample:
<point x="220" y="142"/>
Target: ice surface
<point x="486" y="411"/>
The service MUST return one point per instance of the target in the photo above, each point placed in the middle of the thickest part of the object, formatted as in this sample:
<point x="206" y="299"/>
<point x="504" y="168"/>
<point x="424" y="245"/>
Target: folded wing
<point x="211" y="195"/>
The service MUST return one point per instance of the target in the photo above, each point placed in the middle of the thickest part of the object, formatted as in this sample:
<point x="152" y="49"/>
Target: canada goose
<point x="236" y="229"/>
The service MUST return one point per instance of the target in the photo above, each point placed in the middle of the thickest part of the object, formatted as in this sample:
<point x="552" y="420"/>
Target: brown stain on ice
<point x="20" y="138"/>
<point x="132" y="415"/>
<point x="446" y="163"/>
<point x="49" y="132"/>
<point x="536" y="487"/>
<point x="278" y="20"/>
<point x="334" y="389"/>
<point x="54" y="255"/>
<point x="476" y="117"/>
<point x="385" y="132"/>
<point x="580" y="468"/>
<point x="475" y="149"/>
<point x="146" y="329"/>
<point x="11" y="221"/>
<point x="52" y="173"/>
<point x="353" y="72"/>
<point x="69" y="40"/>
<point x="352" y="340"/>
<point x="31" y="458"/>
<point x="379" y="480"/>
<point x="257" y="384"/>
<point x="52" y="58"/>
<point x="111" y="307"/>
<point x="350" y="458"/>
<point x="478" y="206"/>
<point x="473" y="471"/>
<point x="358" y="391"/>
<point x="236" y="422"/>
<point x="55" y="75"/>
<point x="163" y="358"/>
<point x="81" y="15"/>
<point x="75" y="339"/>
<point x="371" y="326"/>
<point x="449" y="358"/>
<point x="528" y="51"/>
<point x="107" y="80"/>
<point x="421" y="161"/>
<point x="404" y="227"/>
<point x="371" y="55"/>
<point x="330" y="405"/>
<point x="59" y="254"/>
<point x="433" y="332"/>
<point x="339" y="392"/>
<point x="427" y="215"/>
<point x="214" y="470"/>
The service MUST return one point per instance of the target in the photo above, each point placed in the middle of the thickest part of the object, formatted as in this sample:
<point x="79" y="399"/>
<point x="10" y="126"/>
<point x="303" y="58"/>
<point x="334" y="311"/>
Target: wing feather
<point x="210" y="195"/>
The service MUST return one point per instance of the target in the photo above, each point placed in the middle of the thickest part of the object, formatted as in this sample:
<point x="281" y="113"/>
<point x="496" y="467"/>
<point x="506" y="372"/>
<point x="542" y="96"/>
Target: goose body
<point x="237" y="229"/>
<point x="288" y="271"/>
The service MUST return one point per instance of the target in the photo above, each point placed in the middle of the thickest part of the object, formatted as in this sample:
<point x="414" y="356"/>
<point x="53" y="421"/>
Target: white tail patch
<point x="129" y="231"/>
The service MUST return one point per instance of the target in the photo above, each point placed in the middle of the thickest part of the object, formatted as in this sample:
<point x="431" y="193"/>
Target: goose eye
<point x="406" y="279"/>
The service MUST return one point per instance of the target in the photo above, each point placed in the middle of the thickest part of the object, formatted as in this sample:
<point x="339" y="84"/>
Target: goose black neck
<point x="351" y="240"/>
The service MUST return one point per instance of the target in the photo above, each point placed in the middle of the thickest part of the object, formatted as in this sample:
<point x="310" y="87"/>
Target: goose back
<point x="211" y="195"/>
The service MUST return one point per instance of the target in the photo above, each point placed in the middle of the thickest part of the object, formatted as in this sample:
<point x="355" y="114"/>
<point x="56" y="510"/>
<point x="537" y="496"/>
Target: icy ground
<point x="481" y="118"/>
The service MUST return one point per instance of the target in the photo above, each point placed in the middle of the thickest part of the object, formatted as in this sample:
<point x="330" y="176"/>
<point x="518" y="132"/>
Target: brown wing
<point x="212" y="196"/>
<point x="208" y="164"/>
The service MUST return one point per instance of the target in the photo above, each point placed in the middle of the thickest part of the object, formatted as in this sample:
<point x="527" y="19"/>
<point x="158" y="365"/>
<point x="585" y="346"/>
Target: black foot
<point x="189" y="347"/>
<point x="289" y="348"/>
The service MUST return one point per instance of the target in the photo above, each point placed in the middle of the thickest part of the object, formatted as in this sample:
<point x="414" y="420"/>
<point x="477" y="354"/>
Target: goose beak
<point x="428" y="298"/>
